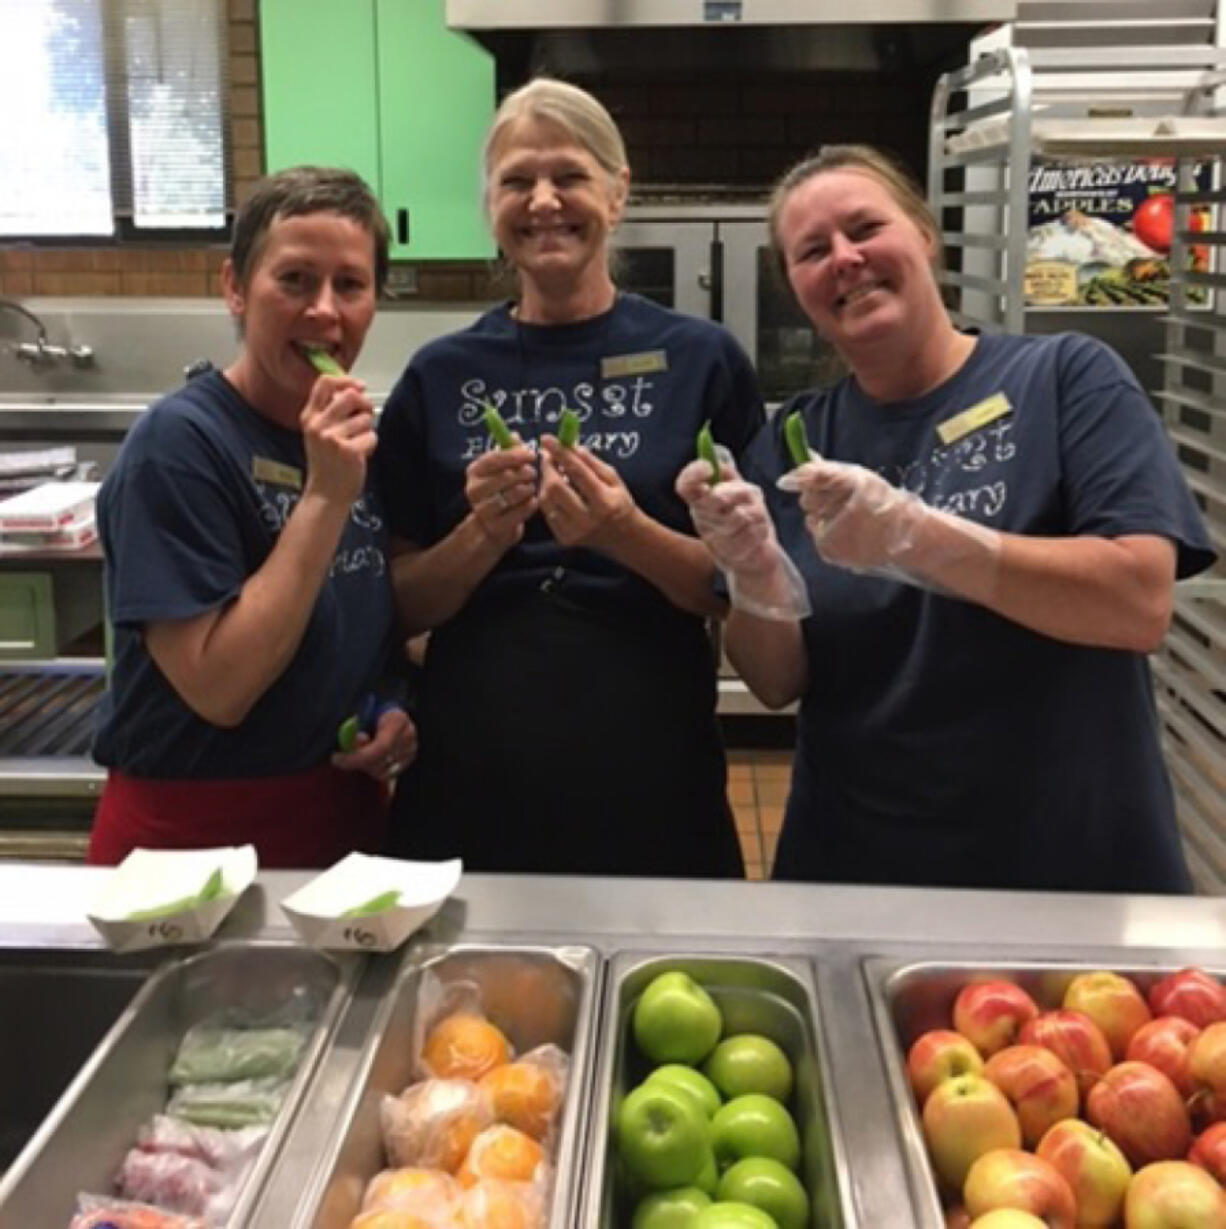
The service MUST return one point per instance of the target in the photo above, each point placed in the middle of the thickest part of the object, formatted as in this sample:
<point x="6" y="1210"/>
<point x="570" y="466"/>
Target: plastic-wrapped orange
<point x="502" y="1205"/>
<point x="464" y="1047"/>
<point x="525" y="1095"/>
<point x="501" y="1152"/>
<point x="412" y="1189"/>
<point x="433" y="1124"/>
<point x="393" y="1219"/>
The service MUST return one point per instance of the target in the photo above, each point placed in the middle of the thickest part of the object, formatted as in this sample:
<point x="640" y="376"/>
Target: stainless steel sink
<point x="55" y="1007"/>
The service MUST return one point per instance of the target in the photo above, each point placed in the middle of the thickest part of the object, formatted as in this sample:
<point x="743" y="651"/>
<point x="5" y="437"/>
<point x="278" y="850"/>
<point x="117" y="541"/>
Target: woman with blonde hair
<point x="567" y="706"/>
<point x="961" y="580"/>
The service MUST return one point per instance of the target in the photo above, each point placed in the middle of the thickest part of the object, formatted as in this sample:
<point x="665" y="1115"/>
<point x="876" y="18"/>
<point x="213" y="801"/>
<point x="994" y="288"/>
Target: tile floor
<point x="757" y="790"/>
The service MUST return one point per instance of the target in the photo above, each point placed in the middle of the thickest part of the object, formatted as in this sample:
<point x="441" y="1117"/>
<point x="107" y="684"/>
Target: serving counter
<point x="835" y="945"/>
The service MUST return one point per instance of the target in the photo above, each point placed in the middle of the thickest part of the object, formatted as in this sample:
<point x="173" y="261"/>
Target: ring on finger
<point x="500" y="497"/>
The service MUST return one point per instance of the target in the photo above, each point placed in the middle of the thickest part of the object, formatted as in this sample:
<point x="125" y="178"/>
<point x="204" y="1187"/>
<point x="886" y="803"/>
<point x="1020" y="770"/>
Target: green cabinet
<point x="41" y="612"/>
<point x="383" y="87"/>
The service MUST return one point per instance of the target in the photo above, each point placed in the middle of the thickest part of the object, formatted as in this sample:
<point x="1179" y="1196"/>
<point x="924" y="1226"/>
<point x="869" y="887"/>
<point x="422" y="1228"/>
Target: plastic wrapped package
<point x="528" y="1092"/>
<point x="453" y="1038"/>
<point x="433" y="1123"/>
<point x="413" y="1189"/>
<point x="503" y="1152"/>
<point x="492" y="1204"/>
<point x="210" y="1054"/>
<point x="179" y="1184"/>
<point x="243" y="1103"/>
<point x="104" y="1212"/>
<point x="222" y="1149"/>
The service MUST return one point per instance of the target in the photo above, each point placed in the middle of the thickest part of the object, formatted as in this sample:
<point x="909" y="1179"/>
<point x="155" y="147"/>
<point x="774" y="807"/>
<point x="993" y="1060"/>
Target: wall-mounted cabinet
<point x="383" y="87"/>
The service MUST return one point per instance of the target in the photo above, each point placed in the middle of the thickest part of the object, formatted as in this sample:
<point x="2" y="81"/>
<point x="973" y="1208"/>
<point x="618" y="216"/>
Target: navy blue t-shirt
<point x="940" y="743"/>
<point x="192" y="508"/>
<point x="642" y="380"/>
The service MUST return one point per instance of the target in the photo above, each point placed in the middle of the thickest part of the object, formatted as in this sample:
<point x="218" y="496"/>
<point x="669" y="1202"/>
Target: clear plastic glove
<point x="860" y="522"/>
<point x="732" y="520"/>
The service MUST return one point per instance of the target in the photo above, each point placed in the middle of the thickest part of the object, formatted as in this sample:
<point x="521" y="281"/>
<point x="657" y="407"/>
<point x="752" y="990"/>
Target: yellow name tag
<point x="265" y="470"/>
<point x="633" y="364"/>
<point x="994" y="407"/>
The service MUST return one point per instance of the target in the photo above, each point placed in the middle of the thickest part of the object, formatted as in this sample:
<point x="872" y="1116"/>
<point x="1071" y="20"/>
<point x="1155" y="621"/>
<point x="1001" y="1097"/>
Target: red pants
<point x="305" y="819"/>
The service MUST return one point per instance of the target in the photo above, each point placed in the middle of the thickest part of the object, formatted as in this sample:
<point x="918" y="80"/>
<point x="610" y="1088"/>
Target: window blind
<point x="115" y="116"/>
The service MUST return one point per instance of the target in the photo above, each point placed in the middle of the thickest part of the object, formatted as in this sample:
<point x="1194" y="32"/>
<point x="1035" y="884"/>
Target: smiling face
<point x="312" y="284"/>
<point x="552" y="208"/>
<point x="859" y="264"/>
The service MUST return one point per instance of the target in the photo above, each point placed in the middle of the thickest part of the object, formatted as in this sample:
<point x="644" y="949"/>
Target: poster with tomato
<point x="1100" y="233"/>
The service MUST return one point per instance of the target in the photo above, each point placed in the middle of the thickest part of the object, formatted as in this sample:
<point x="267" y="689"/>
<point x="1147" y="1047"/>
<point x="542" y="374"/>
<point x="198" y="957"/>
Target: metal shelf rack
<point x="997" y="106"/>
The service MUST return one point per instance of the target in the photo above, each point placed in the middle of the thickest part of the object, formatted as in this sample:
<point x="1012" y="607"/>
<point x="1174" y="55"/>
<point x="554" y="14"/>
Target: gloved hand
<point x="732" y="520"/>
<point x="860" y="522"/>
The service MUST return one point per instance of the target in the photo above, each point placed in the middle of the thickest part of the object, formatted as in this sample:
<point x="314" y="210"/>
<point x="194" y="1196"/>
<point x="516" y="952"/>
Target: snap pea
<point x="705" y="446"/>
<point x="322" y="361"/>
<point x="376" y="904"/>
<point x="498" y="429"/>
<point x="347" y="733"/>
<point x="568" y="429"/>
<point x="795" y="437"/>
<point x="211" y="891"/>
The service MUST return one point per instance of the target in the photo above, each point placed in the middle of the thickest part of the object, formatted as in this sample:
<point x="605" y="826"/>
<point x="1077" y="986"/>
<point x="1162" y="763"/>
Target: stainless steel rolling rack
<point x="989" y="121"/>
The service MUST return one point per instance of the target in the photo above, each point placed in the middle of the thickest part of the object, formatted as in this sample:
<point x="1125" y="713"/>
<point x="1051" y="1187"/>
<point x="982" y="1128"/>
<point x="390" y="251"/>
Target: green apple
<point x="674" y="1209"/>
<point x="768" y="1185"/>
<point x="754" y="1125"/>
<point x="727" y="1215"/>
<point x="708" y="1176"/>
<point x="692" y="1082"/>
<point x="750" y="1063"/>
<point x="662" y="1137"/>
<point x="676" y="1020"/>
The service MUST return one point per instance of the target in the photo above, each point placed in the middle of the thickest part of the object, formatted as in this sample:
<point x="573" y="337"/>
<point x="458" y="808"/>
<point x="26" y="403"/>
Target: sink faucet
<point x="40" y="352"/>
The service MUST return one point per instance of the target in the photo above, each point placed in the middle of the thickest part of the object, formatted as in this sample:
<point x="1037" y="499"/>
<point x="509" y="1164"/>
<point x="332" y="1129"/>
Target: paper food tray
<point x="151" y="878"/>
<point x="48" y="507"/>
<point x="317" y="907"/>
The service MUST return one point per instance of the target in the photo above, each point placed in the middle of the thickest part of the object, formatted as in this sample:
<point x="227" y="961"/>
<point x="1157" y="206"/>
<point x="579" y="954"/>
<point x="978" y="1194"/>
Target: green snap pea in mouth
<point x="796" y="439"/>
<point x="499" y="431"/>
<point x="376" y="904"/>
<point x="322" y="361"/>
<point x="705" y="446"/>
<point x="568" y="429"/>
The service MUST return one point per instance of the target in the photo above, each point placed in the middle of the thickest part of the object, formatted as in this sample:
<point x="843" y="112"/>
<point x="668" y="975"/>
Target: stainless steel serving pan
<point x="536" y="995"/>
<point x="83" y="1141"/>
<point x="909" y="998"/>
<point x="773" y="996"/>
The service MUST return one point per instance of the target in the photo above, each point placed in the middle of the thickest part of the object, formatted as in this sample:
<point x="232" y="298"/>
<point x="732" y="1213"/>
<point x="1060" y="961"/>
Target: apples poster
<point x="1100" y="233"/>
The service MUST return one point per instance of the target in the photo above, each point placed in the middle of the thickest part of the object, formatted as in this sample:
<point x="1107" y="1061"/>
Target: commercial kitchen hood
<point x="476" y="15"/>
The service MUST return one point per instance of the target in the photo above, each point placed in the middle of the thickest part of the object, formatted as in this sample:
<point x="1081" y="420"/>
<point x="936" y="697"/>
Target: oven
<point x="712" y="259"/>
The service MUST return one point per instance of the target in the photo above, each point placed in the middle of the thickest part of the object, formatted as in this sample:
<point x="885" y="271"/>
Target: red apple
<point x="1207" y="1060"/>
<point x="1142" y="1111"/>
<point x="1209" y="1151"/>
<point x="1074" y="1039"/>
<point x="1174" y="1195"/>
<point x="990" y="1014"/>
<point x="1010" y="1178"/>
<point x="1164" y="1043"/>
<point x="1039" y="1086"/>
<point x="1092" y="1165"/>
<point x="957" y="1217"/>
<point x="1191" y="994"/>
<point x="963" y="1118"/>
<point x="1113" y="1003"/>
<point x="937" y="1055"/>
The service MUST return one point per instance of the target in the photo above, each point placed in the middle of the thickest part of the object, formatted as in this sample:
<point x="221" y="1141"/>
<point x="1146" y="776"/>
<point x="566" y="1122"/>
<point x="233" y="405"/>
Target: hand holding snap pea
<point x="796" y="439"/>
<point x="584" y="501"/>
<point x="705" y="447"/>
<point x="568" y="429"/>
<point x="500" y="433"/>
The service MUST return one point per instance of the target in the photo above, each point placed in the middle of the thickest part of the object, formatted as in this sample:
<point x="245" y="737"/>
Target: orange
<point x="464" y="1047"/>
<point x="389" y="1220"/>
<point x="524" y="1095"/>
<point x="501" y="1152"/>
<point x="411" y="1189"/>
<point x="502" y="1205"/>
<point x="432" y="1124"/>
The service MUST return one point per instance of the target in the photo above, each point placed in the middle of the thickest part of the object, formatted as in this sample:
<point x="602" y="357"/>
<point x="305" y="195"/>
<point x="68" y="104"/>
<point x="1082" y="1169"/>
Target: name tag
<point x="263" y="469"/>
<point x="633" y="364"/>
<point x="986" y="411"/>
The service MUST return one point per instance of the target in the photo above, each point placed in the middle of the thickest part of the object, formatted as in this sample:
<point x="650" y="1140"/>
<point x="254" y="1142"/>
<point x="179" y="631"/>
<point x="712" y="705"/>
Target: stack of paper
<point x="50" y="516"/>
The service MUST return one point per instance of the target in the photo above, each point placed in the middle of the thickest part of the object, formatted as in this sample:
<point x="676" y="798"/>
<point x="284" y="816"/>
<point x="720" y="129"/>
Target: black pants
<point x="555" y="739"/>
